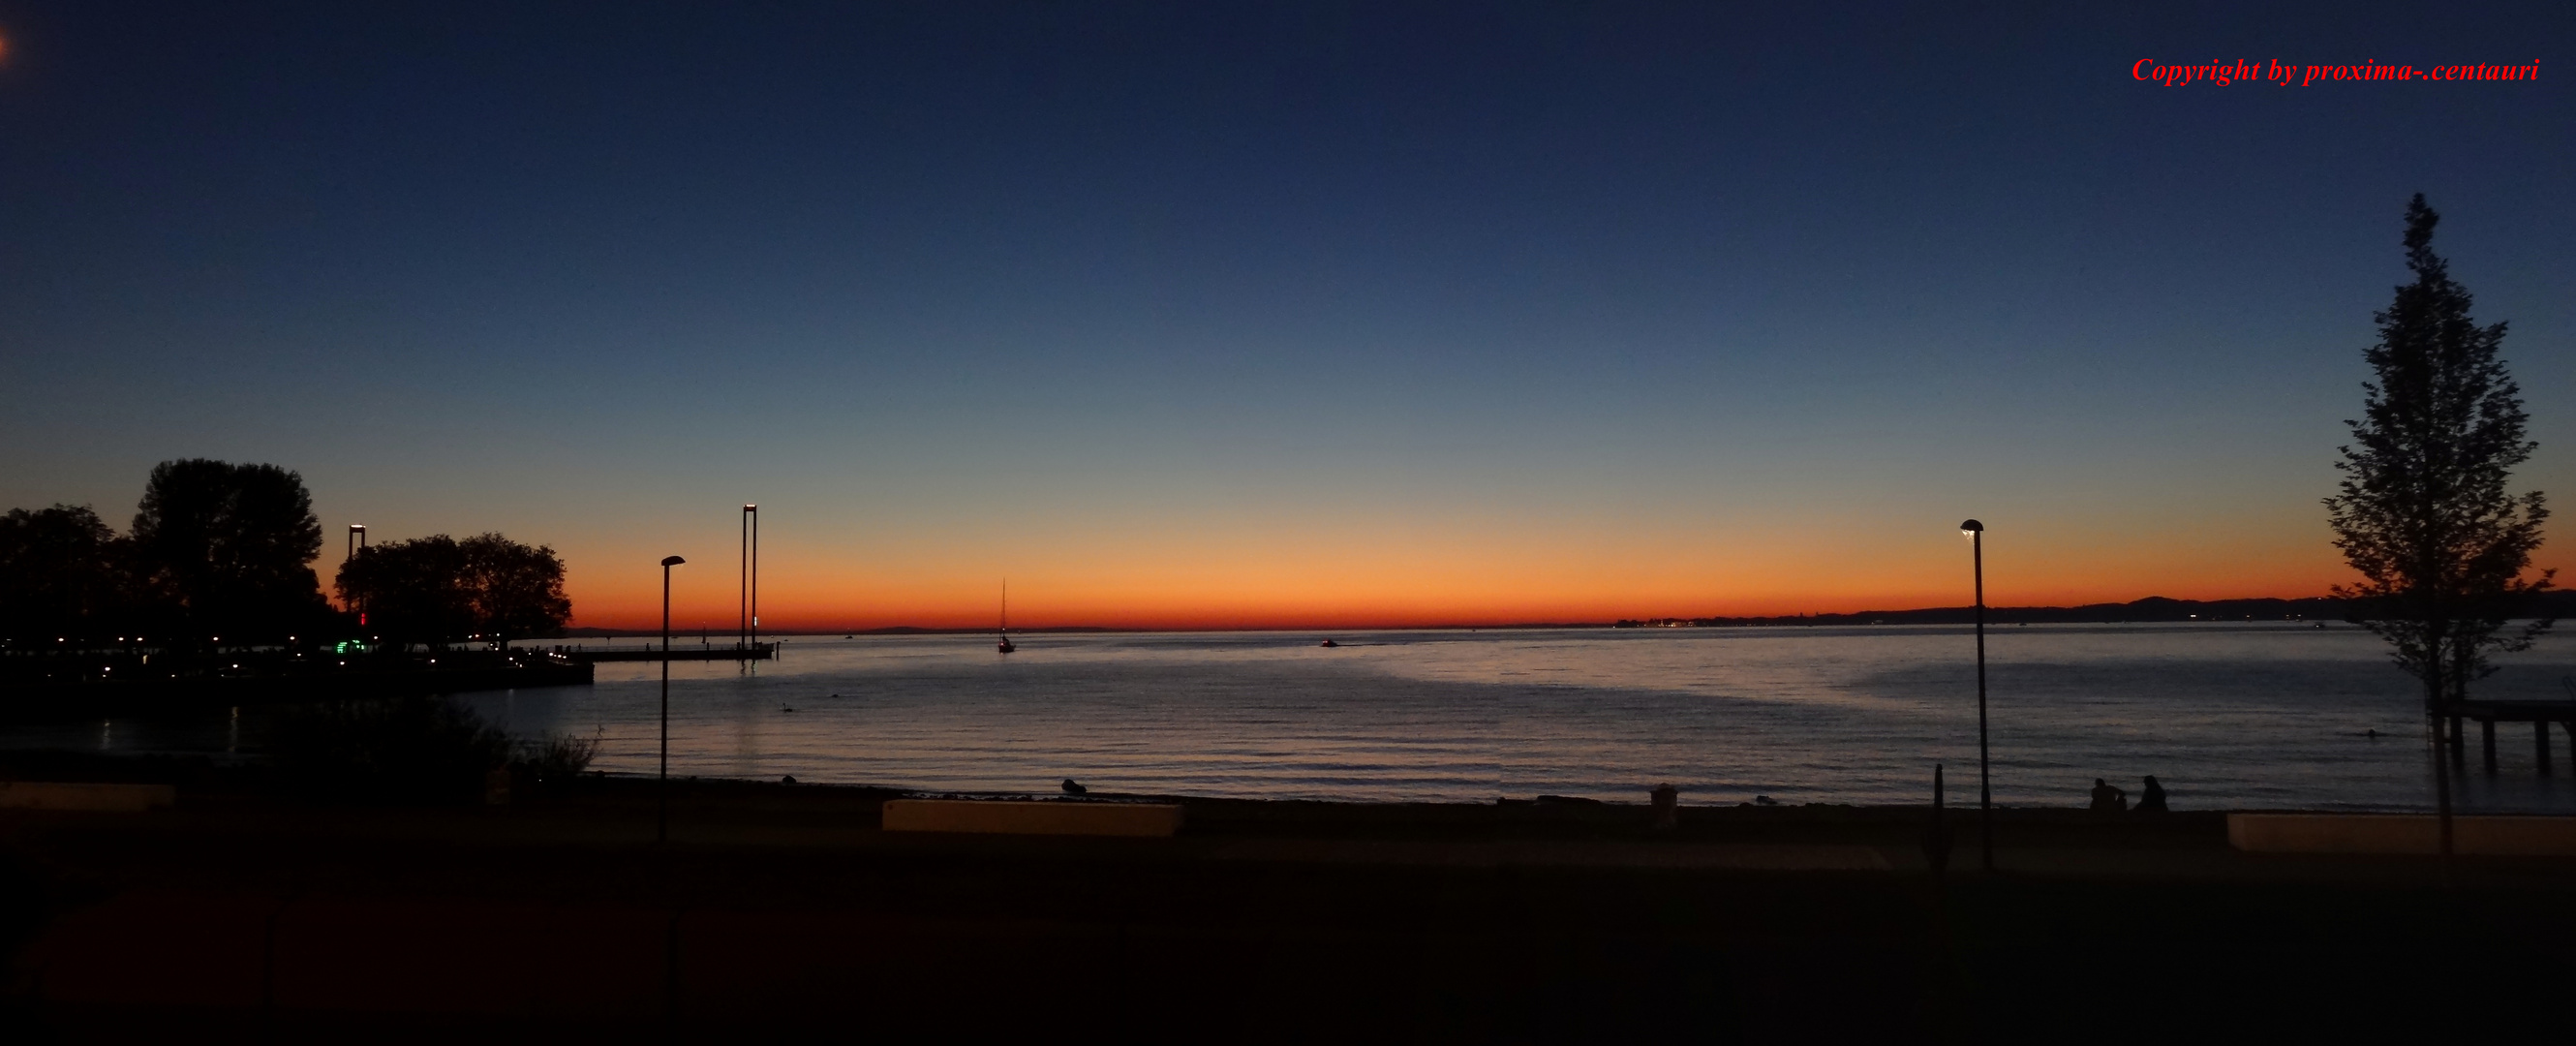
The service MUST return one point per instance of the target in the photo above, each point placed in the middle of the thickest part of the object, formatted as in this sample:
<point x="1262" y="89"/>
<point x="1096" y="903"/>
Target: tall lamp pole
<point x="747" y="629"/>
<point x="357" y="540"/>
<point x="1976" y="533"/>
<point x="662" y="791"/>
<point x="742" y="589"/>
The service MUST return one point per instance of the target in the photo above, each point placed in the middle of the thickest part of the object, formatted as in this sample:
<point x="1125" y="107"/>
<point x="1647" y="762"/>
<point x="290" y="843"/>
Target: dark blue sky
<point x="1546" y="299"/>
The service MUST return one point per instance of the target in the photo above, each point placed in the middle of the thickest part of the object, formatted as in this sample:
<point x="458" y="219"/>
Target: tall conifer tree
<point x="2424" y="515"/>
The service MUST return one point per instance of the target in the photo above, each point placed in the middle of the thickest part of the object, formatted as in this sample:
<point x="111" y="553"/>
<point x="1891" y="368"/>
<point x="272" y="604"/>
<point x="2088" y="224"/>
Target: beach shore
<point x="780" y="909"/>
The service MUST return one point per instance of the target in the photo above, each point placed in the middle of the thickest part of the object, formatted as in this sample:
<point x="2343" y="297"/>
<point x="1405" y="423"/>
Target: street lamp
<point x="662" y="813"/>
<point x="1976" y="535"/>
<point x="747" y="630"/>
<point x="357" y="540"/>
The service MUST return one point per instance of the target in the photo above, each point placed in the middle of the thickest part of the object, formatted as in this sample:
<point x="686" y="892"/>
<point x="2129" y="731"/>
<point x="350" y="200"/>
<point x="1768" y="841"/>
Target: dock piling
<point x="2540" y="714"/>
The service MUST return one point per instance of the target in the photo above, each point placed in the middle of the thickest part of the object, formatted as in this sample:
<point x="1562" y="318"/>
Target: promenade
<point x="780" y="909"/>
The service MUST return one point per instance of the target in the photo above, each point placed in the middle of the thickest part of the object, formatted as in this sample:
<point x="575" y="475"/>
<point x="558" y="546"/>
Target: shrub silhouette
<point x="550" y="761"/>
<point x="397" y="750"/>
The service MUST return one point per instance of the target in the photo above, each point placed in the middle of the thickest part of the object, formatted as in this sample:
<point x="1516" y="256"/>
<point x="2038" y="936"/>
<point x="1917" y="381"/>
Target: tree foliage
<point x="2424" y="513"/>
<point x="517" y="591"/>
<point x="230" y="547"/>
<point x="220" y="549"/>
<point x="60" y="576"/>
<point x="409" y="591"/>
<point x="438" y="589"/>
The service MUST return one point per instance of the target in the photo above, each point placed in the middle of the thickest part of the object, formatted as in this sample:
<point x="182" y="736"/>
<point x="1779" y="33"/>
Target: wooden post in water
<point x="2486" y="736"/>
<point x="1938" y="840"/>
<point x="2541" y="728"/>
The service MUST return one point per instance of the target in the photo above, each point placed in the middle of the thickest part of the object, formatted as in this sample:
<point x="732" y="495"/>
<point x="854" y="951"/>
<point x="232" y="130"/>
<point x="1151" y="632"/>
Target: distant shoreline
<point x="912" y="630"/>
<point x="2152" y="609"/>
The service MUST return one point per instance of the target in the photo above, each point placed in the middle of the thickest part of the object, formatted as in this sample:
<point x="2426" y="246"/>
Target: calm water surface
<point x="2259" y="715"/>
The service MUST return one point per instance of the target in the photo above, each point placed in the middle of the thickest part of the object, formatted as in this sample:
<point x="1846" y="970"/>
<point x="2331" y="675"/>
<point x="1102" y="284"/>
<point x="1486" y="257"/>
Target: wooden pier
<point x="2540" y="714"/>
<point x="678" y="652"/>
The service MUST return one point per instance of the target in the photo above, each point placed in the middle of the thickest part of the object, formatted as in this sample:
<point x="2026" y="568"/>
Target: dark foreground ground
<point x="780" y="913"/>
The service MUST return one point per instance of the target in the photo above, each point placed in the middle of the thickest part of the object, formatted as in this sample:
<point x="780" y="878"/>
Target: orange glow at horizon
<point x="1501" y="579"/>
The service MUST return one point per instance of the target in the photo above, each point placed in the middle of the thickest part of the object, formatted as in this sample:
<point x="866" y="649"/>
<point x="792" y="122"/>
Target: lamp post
<point x="357" y="540"/>
<point x="662" y="791"/>
<point x="1976" y="534"/>
<point x="747" y="630"/>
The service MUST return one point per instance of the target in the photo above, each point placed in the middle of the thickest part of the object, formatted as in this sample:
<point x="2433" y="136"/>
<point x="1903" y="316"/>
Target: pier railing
<point x="652" y="651"/>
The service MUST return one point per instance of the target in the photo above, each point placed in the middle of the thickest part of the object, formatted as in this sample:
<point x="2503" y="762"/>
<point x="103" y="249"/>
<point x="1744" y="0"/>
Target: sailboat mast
<point x="1002" y="625"/>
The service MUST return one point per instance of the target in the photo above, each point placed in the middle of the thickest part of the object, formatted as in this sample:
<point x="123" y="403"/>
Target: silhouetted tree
<point x="438" y="590"/>
<point x="412" y="591"/>
<point x="229" y="545"/>
<point x="2424" y="514"/>
<point x="59" y="576"/>
<point x="517" y="591"/>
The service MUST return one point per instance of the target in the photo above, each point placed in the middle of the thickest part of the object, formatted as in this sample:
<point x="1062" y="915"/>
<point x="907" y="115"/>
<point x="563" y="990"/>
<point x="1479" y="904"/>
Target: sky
<point x="1268" y="315"/>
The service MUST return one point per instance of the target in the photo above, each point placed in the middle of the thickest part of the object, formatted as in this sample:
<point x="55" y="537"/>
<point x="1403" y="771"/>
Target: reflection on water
<point x="2225" y="716"/>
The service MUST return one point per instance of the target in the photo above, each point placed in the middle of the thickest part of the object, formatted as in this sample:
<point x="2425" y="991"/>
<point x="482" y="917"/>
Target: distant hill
<point x="765" y="634"/>
<point x="2152" y="608"/>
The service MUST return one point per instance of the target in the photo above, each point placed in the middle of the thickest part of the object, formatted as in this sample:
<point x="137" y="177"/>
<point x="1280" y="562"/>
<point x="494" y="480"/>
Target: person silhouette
<point x="2153" y="800"/>
<point x="2107" y="799"/>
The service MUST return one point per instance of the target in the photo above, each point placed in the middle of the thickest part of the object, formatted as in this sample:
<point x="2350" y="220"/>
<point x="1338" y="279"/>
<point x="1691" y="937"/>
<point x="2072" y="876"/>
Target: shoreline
<point x="246" y="779"/>
<point x="779" y="908"/>
<point x="247" y="772"/>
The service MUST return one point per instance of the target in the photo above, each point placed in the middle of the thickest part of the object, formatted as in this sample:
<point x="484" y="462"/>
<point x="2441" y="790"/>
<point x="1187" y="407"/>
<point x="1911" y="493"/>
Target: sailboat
<point x="1003" y="629"/>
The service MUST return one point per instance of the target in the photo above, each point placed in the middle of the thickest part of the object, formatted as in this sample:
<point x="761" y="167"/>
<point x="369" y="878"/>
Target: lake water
<point x="2226" y="716"/>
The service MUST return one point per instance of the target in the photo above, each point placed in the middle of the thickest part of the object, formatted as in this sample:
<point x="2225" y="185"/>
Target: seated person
<point x="2107" y="799"/>
<point x="2153" y="801"/>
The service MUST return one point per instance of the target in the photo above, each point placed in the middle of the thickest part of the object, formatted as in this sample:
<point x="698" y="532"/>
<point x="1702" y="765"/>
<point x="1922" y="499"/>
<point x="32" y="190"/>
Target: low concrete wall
<point x="2401" y="834"/>
<point x="46" y="795"/>
<point x="1037" y="817"/>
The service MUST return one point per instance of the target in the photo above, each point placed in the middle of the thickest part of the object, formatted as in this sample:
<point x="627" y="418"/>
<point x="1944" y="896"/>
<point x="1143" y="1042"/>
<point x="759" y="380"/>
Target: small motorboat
<point x="1328" y="643"/>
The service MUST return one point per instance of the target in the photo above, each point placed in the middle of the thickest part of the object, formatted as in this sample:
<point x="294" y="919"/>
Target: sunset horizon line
<point x="1231" y="623"/>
